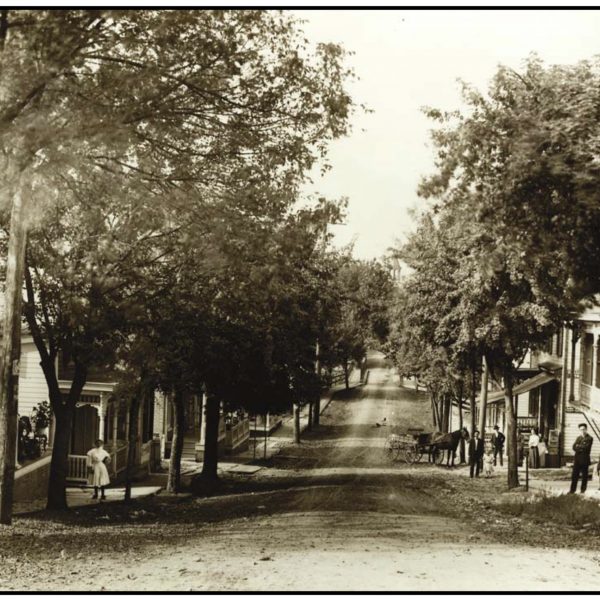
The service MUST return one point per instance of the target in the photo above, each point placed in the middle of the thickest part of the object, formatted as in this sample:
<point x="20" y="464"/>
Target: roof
<point x="525" y="386"/>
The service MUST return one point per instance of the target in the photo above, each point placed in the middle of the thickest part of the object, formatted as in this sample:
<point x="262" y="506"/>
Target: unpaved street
<point x="329" y="514"/>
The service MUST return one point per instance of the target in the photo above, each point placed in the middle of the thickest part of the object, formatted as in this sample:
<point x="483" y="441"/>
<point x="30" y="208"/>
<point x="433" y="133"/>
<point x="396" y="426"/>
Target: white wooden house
<point x="98" y="414"/>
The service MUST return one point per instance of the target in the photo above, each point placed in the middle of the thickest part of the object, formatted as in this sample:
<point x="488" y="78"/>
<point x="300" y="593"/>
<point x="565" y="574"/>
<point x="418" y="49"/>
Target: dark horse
<point x="447" y="441"/>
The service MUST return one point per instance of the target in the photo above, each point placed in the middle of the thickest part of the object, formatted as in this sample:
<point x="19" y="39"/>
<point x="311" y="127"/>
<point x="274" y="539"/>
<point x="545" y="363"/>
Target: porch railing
<point x="77" y="470"/>
<point x="119" y="458"/>
<point x="237" y="433"/>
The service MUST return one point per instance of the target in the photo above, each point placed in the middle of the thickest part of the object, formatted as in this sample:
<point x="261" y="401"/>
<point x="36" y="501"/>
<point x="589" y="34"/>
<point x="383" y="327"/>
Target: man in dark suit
<point x="475" y="453"/>
<point x="581" y="461"/>
<point x="498" y="439"/>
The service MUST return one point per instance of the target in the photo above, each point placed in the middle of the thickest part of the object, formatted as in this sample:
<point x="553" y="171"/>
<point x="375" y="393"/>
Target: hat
<point x="496" y="427"/>
<point x="582" y="425"/>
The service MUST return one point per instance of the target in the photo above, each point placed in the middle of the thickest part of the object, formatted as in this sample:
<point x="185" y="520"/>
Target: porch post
<point x="203" y="425"/>
<point x="114" y="434"/>
<point x="101" y="416"/>
<point x="127" y="419"/>
<point x="140" y="431"/>
<point x="574" y="338"/>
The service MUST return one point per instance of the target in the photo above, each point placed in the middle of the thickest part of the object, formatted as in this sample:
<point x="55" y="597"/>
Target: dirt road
<point x="329" y="514"/>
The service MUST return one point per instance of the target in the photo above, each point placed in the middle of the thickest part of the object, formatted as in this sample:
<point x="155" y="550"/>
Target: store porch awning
<point x="523" y="387"/>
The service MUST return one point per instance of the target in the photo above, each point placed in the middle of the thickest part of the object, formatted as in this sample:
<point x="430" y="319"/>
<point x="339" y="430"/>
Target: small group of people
<point x="538" y="449"/>
<point x="480" y="459"/>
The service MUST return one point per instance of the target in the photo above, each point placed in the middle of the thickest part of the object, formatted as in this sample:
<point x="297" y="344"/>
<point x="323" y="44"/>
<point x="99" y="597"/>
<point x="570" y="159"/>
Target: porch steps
<point x="189" y="450"/>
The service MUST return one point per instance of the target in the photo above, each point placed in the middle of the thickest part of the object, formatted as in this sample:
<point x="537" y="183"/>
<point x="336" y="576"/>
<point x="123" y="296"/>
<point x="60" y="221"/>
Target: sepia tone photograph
<point x="299" y="299"/>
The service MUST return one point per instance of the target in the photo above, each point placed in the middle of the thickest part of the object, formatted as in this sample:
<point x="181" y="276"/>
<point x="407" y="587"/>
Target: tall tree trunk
<point x="483" y="398"/>
<point x="473" y="396"/>
<point x="511" y="430"/>
<point x="462" y="456"/>
<point x="211" y="438"/>
<point x="446" y="407"/>
<point x="346" y="368"/>
<point x="64" y="411"/>
<point x="57" y="498"/>
<point x="174" y="478"/>
<point x="317" y="402"/>
<point x="310" y="416"/>
<point x="296" y="423"/>
<point x="132" y="436"/>
<point x="10" y="349"/>
<point x="435" y="413"/>
<point x="316" y="411"/>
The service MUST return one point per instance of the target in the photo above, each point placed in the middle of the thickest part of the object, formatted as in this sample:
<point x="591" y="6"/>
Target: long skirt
<point x="100" y="476"/>
<point x="534" y="458"/>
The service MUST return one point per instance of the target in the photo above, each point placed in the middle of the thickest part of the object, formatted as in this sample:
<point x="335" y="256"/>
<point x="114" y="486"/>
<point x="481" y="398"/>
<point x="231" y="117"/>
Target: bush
<point x="568" y="509"/>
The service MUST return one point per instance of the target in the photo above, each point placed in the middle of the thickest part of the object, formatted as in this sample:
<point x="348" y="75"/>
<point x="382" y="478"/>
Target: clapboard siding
<point x="32" y="384"/>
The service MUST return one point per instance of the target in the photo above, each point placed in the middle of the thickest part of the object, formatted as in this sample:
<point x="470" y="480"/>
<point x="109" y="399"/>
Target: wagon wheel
<point x="398" y="453"/>
<point x="389" y="449"/>
<point x="419" y="453"/>
<point x="410" y="455"/>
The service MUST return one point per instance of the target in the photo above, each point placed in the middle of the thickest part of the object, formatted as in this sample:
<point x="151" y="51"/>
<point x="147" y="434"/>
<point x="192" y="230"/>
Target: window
<point x="534" y="402"/>
<point x="587" y="356"/>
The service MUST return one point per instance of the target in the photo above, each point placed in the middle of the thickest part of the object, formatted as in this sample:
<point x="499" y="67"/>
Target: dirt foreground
<point x="330" y="514"/>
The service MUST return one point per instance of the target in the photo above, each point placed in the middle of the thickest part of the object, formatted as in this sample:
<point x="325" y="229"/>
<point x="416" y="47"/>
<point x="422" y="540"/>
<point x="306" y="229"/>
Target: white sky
<point x="408" y="59"/>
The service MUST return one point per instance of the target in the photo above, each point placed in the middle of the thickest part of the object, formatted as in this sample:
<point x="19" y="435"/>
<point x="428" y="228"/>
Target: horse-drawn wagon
<point x="412" y="446"/>
<point x="409" y="447"/>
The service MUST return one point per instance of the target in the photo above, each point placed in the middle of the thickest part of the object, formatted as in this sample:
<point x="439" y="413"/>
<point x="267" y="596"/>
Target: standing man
<point x="581" y="461"/>
<point x="498" y="439"/>
<point x="475" y="453"/>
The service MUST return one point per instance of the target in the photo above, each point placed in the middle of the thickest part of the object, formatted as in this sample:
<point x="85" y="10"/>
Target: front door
<point x="550" y="396"/>
<point x="85" y="429"/>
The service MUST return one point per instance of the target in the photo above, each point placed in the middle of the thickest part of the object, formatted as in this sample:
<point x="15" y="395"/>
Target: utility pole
<point x="10" y="348"/>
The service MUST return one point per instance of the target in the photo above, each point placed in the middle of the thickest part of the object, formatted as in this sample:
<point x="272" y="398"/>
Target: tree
<point x="238" y="97"/>
<point x="490" y="164"/>
<point x="433" y="335"/>
<point x="357" y="316"/>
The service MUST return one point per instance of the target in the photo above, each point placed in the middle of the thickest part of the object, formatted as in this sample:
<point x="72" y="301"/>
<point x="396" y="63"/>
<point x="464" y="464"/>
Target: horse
<point x="447" y="441"/>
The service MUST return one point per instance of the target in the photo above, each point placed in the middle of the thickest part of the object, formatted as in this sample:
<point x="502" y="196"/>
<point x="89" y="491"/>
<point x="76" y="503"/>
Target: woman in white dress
<point x="97" y="459"/>
<point x="534" y="456"/>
